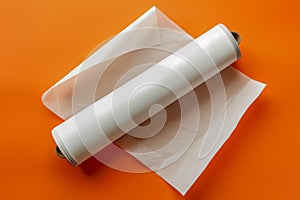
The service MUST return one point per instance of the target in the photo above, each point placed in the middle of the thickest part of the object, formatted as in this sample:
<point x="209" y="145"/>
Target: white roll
<point x="106" y="120"/>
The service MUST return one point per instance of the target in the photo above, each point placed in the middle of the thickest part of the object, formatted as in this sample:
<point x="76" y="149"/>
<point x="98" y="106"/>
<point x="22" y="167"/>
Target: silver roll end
<point x="59" y="153"/>
<point x="236" y="36"/>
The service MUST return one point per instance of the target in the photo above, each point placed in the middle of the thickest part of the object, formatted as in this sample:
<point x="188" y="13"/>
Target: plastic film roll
<point x="118" y="112"/>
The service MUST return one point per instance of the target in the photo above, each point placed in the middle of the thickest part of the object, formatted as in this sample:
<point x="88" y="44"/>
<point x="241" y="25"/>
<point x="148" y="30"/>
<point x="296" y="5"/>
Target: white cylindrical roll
<point x="90" y="130"/>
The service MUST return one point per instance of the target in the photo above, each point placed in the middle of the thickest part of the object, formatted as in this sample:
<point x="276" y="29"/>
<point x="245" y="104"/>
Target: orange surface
<point x="43" y="40"/>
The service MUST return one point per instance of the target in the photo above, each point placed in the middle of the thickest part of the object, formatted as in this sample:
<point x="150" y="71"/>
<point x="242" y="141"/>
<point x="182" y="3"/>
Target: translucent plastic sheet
<point x="187" y="133"/>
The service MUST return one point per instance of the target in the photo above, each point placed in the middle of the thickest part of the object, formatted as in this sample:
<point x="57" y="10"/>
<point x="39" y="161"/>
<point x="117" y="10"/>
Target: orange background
<point x="43" y="40"/>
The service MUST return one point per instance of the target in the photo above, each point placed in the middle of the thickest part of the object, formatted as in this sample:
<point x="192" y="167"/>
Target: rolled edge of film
<point x="221" y="45"/>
